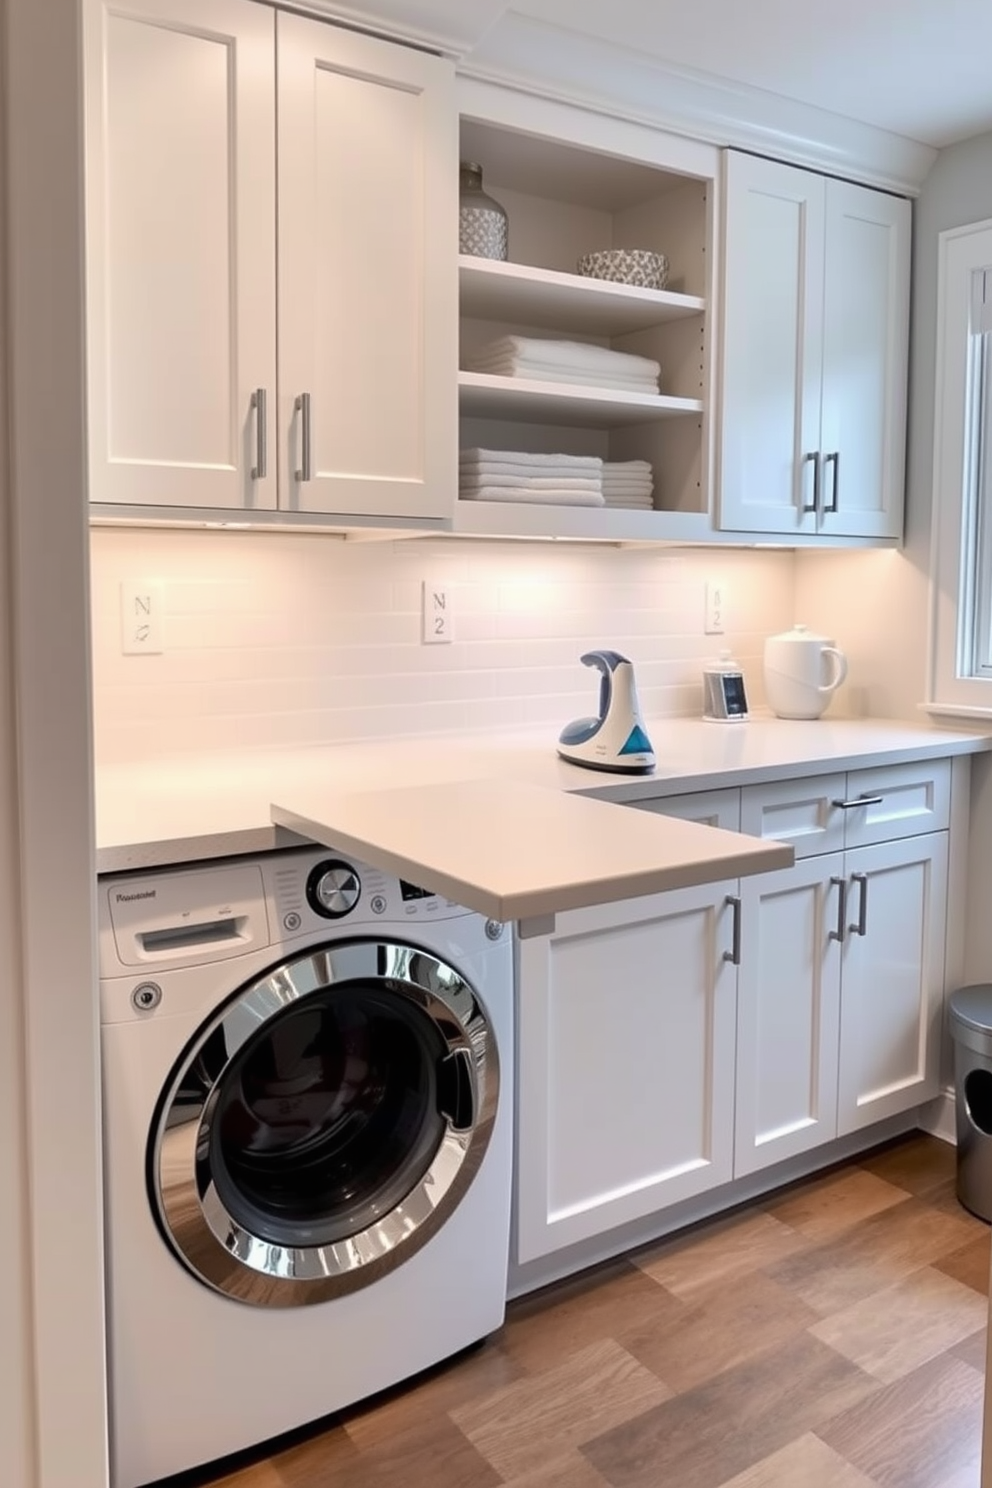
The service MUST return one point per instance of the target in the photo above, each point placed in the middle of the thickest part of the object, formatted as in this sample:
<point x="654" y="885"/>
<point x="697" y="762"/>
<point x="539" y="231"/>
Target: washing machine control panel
<point x="309" y="888"/>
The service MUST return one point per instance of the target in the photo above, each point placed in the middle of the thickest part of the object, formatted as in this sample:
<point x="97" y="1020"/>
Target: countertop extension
<point x="516" y="851"/>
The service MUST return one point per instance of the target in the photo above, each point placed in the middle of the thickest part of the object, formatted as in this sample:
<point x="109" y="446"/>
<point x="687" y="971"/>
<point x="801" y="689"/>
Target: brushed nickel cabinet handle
<point x="302" y="406"/>
<point x="858" y="801"/>
<point x="258" y="403"/>
<point x="734" y="954"/>
<point x="833" y="459"/>
<point x="816" y="458"/>
<point x="861" y="879"/>
<point x="838" y="934"/>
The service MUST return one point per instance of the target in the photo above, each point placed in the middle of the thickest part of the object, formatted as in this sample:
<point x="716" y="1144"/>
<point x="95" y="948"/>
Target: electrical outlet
<point x="437" y="613"/>
<point x="141" y="618"/>
<point x="716" y="604"/>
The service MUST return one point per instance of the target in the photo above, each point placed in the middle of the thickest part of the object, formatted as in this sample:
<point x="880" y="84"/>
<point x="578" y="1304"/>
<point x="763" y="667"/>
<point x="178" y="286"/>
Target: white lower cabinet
<point x="893" y="977"/>
<point x="626" y="1026"/>
<point x="788" y="1012"/>
<point x="671" y="1043"/>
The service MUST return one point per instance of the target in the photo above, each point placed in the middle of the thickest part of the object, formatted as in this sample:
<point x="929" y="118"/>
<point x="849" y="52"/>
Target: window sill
<point x="958" y="710"/>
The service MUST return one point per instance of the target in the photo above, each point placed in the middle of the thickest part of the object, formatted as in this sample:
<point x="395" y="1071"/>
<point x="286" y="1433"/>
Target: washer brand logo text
<point x="127" y="898"/>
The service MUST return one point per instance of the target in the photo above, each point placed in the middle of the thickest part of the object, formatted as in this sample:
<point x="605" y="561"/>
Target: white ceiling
<point x="919" y="68"/>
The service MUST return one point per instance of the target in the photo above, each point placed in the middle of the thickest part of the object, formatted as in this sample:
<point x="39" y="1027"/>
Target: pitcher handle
<point x="839" y="669"/>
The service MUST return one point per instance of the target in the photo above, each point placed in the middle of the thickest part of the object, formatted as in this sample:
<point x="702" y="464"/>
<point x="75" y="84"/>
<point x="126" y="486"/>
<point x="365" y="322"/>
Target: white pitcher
<point x="802" y="672"/>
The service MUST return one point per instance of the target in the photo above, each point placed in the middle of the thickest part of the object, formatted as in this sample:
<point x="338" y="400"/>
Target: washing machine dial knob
<point x="333" y="889"/>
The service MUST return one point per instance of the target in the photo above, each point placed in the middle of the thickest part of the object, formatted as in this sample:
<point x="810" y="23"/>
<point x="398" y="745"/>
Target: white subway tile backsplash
<point x="280" y="639"/>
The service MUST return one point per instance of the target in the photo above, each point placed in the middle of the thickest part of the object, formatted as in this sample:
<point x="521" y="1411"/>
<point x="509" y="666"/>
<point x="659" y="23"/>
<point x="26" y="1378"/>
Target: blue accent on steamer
<point x="637" y="742"/>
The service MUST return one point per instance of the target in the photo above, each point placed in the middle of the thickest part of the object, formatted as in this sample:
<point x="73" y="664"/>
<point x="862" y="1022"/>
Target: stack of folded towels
<point x="628" y="483"/>
<point x="566" y="361"/>
<point x="546" y="480"/>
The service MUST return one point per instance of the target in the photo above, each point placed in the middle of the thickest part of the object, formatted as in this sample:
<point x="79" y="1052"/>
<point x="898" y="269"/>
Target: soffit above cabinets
<point x="773" y="99"/>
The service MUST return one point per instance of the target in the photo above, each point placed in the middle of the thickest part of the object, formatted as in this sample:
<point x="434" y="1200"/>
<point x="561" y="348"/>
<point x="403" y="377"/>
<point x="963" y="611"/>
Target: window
<point x="961" y="649"/>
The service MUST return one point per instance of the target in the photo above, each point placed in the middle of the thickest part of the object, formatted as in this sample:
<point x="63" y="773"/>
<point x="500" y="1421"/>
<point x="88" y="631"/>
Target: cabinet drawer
<point x="800" y="812"/>
<point x="900" y="801"/>
<point x="717" y="808"/>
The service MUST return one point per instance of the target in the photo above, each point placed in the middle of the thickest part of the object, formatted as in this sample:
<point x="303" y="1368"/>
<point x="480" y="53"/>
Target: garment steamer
<point x="617" y="738"/>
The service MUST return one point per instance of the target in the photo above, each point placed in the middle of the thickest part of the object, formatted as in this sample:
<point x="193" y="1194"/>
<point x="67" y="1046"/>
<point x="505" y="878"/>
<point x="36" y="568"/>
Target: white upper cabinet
<point x="814" y="354"/>
<point x="368" y="172"/>
<point x="180" y="217"/>
<point x="865" y="361"/>
<point x="188" y="212"/>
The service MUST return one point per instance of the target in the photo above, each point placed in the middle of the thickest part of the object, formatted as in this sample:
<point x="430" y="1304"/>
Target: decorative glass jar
<point x="483" y="226"/>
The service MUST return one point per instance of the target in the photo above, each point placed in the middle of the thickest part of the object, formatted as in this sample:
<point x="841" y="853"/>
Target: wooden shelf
<point x="492" y="290"/>
<point x="532" y="402"/>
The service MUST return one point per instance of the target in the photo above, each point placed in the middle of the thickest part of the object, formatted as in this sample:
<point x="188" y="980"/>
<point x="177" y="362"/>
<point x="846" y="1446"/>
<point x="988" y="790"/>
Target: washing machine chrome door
<point x="322" y="1126"/>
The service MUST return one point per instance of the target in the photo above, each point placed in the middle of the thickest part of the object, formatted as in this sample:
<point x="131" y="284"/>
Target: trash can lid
<point x="972" y="1007"/>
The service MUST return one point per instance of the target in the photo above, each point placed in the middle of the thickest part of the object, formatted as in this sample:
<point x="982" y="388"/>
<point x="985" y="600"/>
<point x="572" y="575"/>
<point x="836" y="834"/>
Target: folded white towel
<point x="599" y="379"/>
<point x="578" y="355"/>
<point x="630" y="490"/>
<point x="630" y="505"/>
<point x="575" y="464"/>
<point x="627" y="467"/>
<point x="488" y="475"/>
<point x="527" y="483"/>
<point x="544" y="472"/>
<point x="535" y="498"/>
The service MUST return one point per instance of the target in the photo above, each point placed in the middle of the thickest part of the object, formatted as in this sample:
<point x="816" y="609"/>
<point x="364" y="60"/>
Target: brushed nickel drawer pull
<point x="861" y="879"/>
<point x="258" y="402"/>
<point x="302" y="406"/>
<point x="816" y="457"/>
<point x="838" y="934"/>
<point x="834" y="460"/>
<point x="734" y="954"/>
<point x="858" y="801"/>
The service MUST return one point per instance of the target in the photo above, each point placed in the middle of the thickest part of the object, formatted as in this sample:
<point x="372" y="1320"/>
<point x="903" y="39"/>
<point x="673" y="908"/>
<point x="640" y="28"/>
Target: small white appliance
<point x="616" y="738"/>
<point x="307" y="1111"/>
<point x="724" y="694"/>
<point x="802" y="672"/>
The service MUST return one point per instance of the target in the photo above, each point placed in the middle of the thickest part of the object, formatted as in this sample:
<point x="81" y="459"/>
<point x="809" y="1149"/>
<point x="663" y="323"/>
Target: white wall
<point x="284" y="639"/>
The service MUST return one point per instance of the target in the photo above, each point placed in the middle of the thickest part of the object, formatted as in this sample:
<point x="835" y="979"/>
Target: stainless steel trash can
<point x="971" y="1030"/>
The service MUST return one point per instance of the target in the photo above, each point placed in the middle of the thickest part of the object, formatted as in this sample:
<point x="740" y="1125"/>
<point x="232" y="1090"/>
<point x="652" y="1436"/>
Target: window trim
<point x="961" y="250"/>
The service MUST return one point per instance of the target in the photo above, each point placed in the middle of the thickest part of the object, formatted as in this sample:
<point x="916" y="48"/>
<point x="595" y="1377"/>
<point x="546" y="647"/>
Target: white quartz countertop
<point x="516" y="851"/>
<point x="189" y="808"/>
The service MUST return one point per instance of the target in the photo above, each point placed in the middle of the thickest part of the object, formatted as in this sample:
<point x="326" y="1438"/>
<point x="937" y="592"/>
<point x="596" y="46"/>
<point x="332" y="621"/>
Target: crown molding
<point x="552" y="62"/>
<point x="434" y="25"/>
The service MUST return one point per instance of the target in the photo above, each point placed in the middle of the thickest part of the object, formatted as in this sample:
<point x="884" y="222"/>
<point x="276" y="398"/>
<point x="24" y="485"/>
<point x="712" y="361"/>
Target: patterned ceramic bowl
<point x="637" y="266"/>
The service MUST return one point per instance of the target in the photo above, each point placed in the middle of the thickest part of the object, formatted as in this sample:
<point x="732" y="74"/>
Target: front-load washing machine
<point x="307" y="1106"/>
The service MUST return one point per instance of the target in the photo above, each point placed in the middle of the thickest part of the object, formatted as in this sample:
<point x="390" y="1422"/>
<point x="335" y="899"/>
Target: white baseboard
<point x="938" y="1117"/>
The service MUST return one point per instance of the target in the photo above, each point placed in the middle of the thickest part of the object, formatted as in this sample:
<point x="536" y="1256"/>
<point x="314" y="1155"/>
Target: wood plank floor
<point x="830" y="1336"/>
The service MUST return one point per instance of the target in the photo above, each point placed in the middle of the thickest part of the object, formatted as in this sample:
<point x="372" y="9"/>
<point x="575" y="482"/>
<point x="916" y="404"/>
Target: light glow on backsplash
<point x="275" y="640"/>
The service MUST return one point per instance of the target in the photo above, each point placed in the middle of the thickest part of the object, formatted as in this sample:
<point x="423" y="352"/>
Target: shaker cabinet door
<point x="180" y="229"/>
<point x="626" y="1064"/>
<point x="788" y="1012"/>
<point x="772" y="346"/>
<point x="865" y="360"/>
<point x="368" y="179"/>
<point x="892" y="979"/>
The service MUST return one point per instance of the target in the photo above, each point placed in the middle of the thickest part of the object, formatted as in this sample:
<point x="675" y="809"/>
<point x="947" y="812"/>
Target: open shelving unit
<point x="565" y="199"/>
